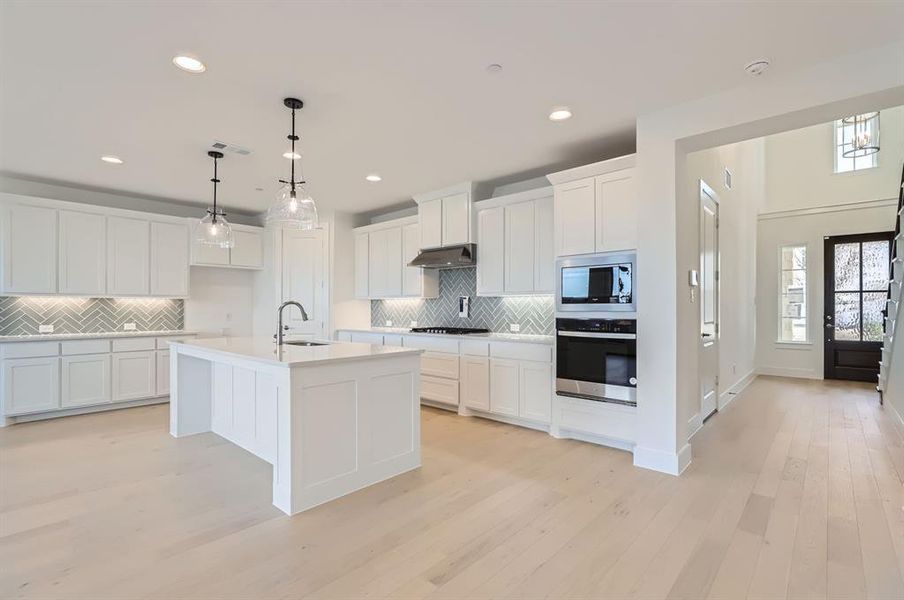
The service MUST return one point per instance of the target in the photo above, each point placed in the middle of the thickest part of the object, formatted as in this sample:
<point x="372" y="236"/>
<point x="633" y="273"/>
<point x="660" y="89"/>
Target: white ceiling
<point x="394" y="88"/>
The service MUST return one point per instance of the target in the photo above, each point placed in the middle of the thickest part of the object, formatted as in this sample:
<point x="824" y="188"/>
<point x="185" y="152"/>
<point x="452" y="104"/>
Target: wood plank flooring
<point x="795" y="491"/>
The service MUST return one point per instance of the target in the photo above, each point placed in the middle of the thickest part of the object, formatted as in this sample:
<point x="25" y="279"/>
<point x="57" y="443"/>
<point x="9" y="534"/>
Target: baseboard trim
<point x="788" y="372"/>
<point x="663" y="462"/>
<point x="590" y="438"/>
<point x="734" y="391"/>
<point x="694" y="424"/>
<point x="473" y="412"/>
<point x="84" y="410"/>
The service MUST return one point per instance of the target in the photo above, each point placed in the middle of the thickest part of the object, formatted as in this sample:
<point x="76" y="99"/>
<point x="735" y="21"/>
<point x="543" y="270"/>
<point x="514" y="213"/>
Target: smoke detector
<point x="757" y="67"/>
<point x="226" y="147"/>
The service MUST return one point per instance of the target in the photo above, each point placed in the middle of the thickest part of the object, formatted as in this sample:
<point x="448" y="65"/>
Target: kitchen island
<point x="330" y="418"/>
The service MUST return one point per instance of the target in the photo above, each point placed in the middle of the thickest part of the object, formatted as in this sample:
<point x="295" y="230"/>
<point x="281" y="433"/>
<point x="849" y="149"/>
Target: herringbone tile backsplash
<point x="535" y="314"/>
<point x="23" y="315"/>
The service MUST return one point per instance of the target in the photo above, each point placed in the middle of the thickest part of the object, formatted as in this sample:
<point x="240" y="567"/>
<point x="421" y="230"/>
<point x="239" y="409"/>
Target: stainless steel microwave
<point x="596" y="283"/>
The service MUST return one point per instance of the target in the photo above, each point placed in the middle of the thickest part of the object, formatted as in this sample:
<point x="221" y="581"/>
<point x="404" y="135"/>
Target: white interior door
<point x="709" y="300"/>
<point x="303" y="281"/>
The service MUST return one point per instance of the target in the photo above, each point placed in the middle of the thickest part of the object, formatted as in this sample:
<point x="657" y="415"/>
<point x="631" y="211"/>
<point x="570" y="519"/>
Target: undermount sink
<point x="303" y="343"/>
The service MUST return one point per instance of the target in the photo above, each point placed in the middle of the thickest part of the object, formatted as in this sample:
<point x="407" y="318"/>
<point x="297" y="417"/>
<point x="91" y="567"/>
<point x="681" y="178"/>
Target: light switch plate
<point x="129" y="326"/>
<point x="45" y="328"/>
<point x="514" y="327"/>
<point x="389" y="322"/>
<point x="413" y="324"/>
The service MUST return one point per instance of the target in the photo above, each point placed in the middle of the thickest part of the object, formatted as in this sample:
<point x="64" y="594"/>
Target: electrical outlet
<point x="413" y="324"/>
<point x="514" y="327"/>
<point x="389" y="322"/>
<point x="45" y="328"/>
<point x="129" y="326"/>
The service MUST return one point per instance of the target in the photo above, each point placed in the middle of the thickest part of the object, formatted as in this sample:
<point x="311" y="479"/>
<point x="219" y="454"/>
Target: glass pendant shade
<point x="864" y="135"/>
<point x="293" y="209"/>
<point x="212" y="231"/>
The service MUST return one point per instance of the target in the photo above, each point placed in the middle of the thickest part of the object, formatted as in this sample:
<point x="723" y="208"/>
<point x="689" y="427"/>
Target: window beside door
<point x="793" y="294"/>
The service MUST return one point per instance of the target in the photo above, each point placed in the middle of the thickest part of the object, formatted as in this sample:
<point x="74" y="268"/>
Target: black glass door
<point x="856" y="290"/>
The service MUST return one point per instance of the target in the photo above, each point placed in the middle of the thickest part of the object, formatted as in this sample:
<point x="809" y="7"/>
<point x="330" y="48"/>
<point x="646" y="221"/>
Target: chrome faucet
<point x="279" y="314"/>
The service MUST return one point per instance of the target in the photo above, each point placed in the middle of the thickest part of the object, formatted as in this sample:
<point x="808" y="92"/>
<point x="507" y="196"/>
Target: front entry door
<point x="856" y="289"/>
<point x="709" y="301"/>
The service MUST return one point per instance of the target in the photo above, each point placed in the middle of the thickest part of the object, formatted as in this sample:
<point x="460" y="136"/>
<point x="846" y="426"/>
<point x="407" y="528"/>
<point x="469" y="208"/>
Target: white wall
<point x="220" y="301"/>
<point x="774" y="231"/>
<point x="738" y="207"/>
<point x="668" y="355"/>
<point x="800" y="167"/>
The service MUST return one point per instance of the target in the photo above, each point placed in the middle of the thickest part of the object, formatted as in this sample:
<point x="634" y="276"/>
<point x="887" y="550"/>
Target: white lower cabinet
<point x="163" y="373"/>
<point x="504" y="384"/>
<point x="31" y="385"/>
<point x="438" y="389"/>
<point x="85" y="380"/>
<point x="134" y="375"/>
<point x="535" y="398"/>
<point x="475" y="382"/>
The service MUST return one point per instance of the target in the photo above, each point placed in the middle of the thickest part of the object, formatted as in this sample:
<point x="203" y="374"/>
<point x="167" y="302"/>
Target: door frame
<point x="829" y="370"/>
<point x="704" y="188"/>
<point x="324" y="325"/>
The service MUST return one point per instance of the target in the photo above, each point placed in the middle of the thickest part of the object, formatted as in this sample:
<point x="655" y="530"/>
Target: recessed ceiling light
<point x="373" y="177"/>
<point x="291" y="155"/>
<point x="259" y="189"/>
<point x="560" y="114"/>
<point x="109" y="158"/>
<point x="757" y="67"/>
<point x="189" y="63"/>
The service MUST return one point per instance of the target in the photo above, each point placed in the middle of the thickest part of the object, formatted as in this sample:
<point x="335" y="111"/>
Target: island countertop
<point x="265" y="350"/>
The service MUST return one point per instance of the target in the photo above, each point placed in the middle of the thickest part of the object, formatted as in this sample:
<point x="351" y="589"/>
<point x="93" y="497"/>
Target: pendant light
<point x="864" y="134"/>
<point x="294" y="208"/>
<point x="214" y="229"/>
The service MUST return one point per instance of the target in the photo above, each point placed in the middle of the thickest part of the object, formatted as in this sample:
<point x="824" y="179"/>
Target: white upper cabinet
<point x="169" y="259"/>
<point x="595" y="207"/>
<point x="29" y="247"/>
<point x="128" y="257"/>
<point x="515" y="253"/>
<point x="362" y="265"/>
<point x="204" y="255"/>
<point x="247" y="253"/>
<point x="83" y="253"/>
<point x="430" y="216"/>
<point x="491" y="251"/>
<point x="446" y="216"/>
<point x="382" y="254"/>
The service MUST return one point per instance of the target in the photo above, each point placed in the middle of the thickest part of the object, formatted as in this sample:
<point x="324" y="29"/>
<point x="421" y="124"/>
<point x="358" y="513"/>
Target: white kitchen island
<point x="331" y="419"/>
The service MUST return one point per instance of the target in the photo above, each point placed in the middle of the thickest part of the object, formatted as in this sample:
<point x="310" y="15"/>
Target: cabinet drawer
<point x="343" y="336"/>
<point x="85" y="347"/>
<point x="431" y="343"/>
<point x="367" y="338"/>
<point x="475" y="348"/>
<point x="133" y="344"/>
<point x="163" y="342"/>
<point x="599" y="418"/>
<point x="30" y="349"/>
<point x="438" y="364"/>
<point x="392" y="340"/>
<point x="439" y="390"/>
<point x="519" y="351"/>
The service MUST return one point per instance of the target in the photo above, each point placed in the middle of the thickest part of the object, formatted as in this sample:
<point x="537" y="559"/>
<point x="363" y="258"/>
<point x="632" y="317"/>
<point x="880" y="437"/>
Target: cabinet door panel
<point x="248" y="251"/>
<point x="475" y="382"/>
<point x="31" y="385"/>
<point x="169" y="259"/>
<point x="362" y="266"/>
<point x="83" y="253"/>
<point x="430" y="218"/>
<point x="202" y="254"/>
<point x="377" y="267"/>
<point x="456" y="219"/>
<point x="491" y="251"/>
<point x="575" y="225"/>
<point x="134" y="375"/>
<point x="128" y="257"/>
<point x="393" y="262"/>
<point x="536" y="391"/>
<point x="411" y="276"/>
<point x="545" y="255"/>
<point x="29" y="250"/>
<point x="616" y="212"/>
<point x="163" y="372"/>
<point x="85" y="380"/>
<point x="519" y="248"/>
<point x="504" y="382"/>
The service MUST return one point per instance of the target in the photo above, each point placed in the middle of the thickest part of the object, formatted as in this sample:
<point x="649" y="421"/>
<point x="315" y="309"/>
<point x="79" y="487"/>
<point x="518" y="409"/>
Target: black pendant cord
<point x="215" y="213"/>
<point x="294" y="104"/>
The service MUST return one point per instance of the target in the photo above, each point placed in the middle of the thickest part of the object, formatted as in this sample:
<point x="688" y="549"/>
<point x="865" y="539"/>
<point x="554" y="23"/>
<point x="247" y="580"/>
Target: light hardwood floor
<point x="795" y="491"/>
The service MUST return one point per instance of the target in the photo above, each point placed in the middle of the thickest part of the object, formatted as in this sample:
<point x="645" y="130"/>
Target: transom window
<point x="793" y="293"/>
<point x="844" y="140"/>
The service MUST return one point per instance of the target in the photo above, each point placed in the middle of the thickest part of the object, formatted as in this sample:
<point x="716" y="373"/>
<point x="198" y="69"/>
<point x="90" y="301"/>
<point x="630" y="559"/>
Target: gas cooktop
<point x="448" y="330"/>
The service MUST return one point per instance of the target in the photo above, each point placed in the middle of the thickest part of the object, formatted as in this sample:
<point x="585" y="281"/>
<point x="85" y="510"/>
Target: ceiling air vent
<point x="226" y="147"/>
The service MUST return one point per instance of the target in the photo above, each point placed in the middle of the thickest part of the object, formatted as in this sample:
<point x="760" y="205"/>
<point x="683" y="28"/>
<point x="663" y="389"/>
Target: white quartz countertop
<point x="265" y="350"/>
<point x="58" y="337"/>
<point x="492" y="337"/>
